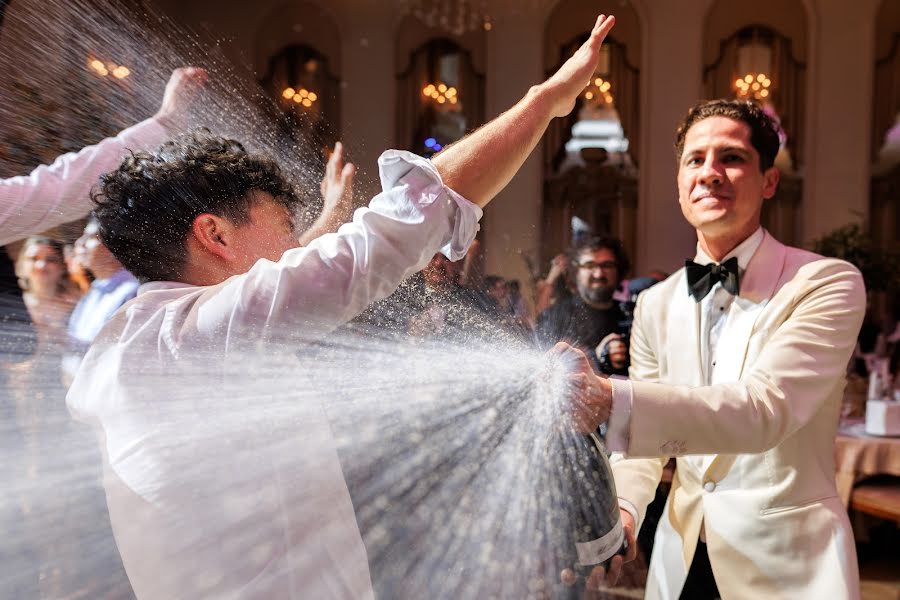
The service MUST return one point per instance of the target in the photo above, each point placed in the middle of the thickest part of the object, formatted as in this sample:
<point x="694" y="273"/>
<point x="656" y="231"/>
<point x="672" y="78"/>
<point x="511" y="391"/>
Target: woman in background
<point x="50" y="294"/>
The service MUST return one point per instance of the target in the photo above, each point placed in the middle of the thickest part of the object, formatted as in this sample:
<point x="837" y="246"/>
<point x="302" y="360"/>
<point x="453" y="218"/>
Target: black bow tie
<point x="702" y="278"/>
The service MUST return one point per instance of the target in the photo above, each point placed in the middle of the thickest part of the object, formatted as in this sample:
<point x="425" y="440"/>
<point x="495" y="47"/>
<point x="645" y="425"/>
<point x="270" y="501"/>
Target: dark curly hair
<point x="603" y="242"/>
<point x="763" y="129"/>
<point x="147" y="206"/>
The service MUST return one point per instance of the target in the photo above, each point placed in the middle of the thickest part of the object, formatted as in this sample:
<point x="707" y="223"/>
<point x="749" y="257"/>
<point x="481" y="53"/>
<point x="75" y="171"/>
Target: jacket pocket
<point x="797" y="506"/>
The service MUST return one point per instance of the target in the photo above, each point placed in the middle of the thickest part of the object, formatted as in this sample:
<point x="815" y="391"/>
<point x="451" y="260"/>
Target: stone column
<point x="671" y="81"/>
<point x="839" y="118"/>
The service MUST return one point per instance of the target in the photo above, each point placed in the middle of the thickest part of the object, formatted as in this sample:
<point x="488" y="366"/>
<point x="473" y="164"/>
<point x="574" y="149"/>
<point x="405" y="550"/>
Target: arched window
<point x="590" y="165"/>
<point x="606" y="113"/>
<point x="758" y="63"/>
<point x="440" y="97"/>
<point x="308" y="93"/>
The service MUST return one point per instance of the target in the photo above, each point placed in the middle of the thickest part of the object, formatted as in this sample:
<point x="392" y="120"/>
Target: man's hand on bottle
<point x="601" y="578"/>
<point x="590" y="396"/>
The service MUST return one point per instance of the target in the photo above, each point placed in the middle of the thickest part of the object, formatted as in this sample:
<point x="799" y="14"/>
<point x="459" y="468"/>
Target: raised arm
<point x="337" y="197"/>
<point x="60" y="192"/>
<point x="481" y="164"/>
<point x="426" y="207"/>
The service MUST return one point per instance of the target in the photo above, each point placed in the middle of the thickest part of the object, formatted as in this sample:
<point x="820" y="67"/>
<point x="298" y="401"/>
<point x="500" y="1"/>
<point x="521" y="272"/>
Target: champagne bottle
<point x="587" y="495"/>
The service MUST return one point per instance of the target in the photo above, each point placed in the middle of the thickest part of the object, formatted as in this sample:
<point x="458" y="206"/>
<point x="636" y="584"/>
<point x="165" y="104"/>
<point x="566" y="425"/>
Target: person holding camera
<point x="592" y="319"/>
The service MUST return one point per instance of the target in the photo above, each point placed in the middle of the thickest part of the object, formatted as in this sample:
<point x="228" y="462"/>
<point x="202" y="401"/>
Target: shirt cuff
<point x="631" y="509"/>
<point x="617" y="436"/>
<point x="399" y="167"/>
<point x="146" y="135"/>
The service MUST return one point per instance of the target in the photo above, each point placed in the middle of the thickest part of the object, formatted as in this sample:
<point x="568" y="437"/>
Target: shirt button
<point x="709" y="486"/>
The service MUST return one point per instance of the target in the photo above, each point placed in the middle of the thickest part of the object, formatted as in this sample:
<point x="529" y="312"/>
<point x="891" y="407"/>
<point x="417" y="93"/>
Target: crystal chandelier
<point x="754" y="63"/>
<point x="454" y="16"/>
<point x="104" y="69"/>
<point x="300" y="96"/>
<point x="441" y="93"/>
<point x="598" y="92"/>
<point x="753" y="85"/>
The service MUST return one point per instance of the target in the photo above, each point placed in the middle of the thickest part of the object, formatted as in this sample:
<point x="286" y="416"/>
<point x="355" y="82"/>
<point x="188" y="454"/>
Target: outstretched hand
<point x="337" y="186"/>
<point x="571" y="79"/>
<point x="181" y="91"/>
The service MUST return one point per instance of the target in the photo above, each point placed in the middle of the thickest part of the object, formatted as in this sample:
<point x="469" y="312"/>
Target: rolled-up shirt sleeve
<point x="620" y="415"/>
<point x="60" y="192"/>
<point x="314" y="289"/>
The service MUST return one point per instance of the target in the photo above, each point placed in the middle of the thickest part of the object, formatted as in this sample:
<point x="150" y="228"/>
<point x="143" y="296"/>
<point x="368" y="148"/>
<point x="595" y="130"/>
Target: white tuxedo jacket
<point x="773" y="522"/>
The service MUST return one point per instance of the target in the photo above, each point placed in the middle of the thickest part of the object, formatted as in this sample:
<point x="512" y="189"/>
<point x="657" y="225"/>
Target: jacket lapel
<point x="683" y="337"/>
<point x="757" y="288"/>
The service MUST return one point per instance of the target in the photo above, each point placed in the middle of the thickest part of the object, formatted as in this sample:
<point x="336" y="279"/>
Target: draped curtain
<point x="886" y="96"/>
<point x="302" y="66"/>
<point x="788" y="93"/>
<point x="625" y="79"/>
<point x="416" y="114"/>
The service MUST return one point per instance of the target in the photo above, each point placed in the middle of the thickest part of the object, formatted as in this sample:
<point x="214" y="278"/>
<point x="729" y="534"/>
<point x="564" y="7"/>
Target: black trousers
<point x="700" y="583"/>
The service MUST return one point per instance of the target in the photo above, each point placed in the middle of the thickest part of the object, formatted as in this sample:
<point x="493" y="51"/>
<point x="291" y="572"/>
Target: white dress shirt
<point x="223" y="480"/>
<point x="60" y="192"/>
<point x="715" y="309"/>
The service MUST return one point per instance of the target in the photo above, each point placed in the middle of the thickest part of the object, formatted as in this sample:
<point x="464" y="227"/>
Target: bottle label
<point x="597" y="551"/>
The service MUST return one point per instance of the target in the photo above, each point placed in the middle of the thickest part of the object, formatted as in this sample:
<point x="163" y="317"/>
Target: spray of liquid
<point x="444" y="443"/>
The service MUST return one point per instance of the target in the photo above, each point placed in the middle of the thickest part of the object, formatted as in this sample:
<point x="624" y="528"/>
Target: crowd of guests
<point x="585" y="299"/>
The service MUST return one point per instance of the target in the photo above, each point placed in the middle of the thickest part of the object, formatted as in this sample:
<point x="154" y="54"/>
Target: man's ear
<point x="771" y="177"/>
<point x="214" y="234"/>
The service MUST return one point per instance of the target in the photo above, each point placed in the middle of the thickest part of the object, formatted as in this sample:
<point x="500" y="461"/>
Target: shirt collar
<point x="151" y="286"/>
<point x="113" y="281"/>
<point x="743" y="251"/>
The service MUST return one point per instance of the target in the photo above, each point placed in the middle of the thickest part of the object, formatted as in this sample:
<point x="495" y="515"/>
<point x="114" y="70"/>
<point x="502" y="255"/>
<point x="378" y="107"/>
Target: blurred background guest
<point x="112" y="287"/>
<point x="592" y="314"/>
<point x="49" y="293"/>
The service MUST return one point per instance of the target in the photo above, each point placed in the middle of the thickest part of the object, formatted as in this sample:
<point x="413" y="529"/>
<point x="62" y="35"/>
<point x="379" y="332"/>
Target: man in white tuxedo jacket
<point x="737" y="370"/>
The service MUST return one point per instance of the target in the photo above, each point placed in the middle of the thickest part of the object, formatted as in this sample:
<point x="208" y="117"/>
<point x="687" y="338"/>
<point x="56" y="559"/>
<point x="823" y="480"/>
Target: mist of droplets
<point x="446" y="443"/>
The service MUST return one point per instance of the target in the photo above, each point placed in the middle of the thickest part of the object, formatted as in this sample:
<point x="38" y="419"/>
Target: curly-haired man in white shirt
<point x="206" y="500"/>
